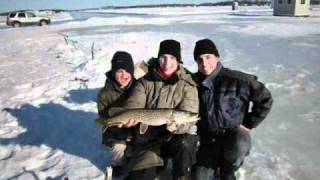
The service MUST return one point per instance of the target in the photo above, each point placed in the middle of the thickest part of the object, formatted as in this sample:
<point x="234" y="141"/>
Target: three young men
<point x="223" y="98"/>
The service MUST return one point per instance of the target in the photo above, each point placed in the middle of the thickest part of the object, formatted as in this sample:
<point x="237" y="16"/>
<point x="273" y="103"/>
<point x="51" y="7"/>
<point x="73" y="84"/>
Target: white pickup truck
<point x="19" y="19"/>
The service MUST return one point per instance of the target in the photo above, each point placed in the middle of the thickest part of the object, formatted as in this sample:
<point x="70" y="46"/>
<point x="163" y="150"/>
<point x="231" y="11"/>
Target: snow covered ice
<point x="49" y="84"/>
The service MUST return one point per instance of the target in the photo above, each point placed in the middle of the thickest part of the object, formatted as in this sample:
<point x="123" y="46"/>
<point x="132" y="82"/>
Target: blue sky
<point x="9" y="5"/>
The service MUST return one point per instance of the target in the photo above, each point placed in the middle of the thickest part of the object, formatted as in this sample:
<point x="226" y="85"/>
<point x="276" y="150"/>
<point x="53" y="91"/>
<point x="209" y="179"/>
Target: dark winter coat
<point x="111" y="95"/>
<point x="225" y="98"/>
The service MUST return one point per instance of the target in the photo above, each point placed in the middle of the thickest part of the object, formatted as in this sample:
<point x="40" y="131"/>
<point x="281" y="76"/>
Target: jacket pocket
<point x="231" y="110"/>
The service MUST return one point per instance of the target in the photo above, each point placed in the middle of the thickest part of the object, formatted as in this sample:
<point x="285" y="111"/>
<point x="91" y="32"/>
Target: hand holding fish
<point x="130" y="123"/>
<point x="172" y="126"/>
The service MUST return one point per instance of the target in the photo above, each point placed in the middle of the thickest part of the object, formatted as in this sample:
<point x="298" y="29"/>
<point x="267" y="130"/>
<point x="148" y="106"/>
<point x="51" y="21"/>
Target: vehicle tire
<point x="43" y="23"/>
<point x="16" y="24"/>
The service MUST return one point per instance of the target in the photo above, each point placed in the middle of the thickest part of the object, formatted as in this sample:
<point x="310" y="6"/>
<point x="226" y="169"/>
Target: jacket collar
<point x="208" y="81"/>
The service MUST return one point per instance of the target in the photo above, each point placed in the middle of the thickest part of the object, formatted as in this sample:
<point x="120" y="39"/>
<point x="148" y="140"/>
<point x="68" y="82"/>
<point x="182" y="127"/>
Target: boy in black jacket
<point x="226" y="121"/>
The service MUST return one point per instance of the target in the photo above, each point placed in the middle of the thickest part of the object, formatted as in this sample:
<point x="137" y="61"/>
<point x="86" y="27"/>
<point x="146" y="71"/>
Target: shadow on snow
<point x="72" y="131"/>
<point x="81" y="96"/>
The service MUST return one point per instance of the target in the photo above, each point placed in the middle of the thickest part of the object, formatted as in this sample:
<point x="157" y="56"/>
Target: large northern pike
<point x="150" y="117"/>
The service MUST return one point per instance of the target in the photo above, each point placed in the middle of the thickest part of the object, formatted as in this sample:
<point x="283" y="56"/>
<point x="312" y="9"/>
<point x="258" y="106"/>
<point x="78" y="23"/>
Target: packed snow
<point x="50" y="77"/>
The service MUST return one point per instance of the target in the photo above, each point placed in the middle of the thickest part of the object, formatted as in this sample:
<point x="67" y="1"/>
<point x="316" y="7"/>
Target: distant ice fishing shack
<point x="291" y="7"/>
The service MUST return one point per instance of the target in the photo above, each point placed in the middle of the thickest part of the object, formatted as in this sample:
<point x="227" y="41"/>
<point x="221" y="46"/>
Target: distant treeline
<point x="222" y="3"/>
<point x="240" y="3"/>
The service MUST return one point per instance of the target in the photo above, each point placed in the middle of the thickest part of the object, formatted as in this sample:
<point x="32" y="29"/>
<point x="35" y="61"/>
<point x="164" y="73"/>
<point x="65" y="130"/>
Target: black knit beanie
<point x="171" y="47"/>
<point x="205" y="46"/>
<point x="122" y="60"/>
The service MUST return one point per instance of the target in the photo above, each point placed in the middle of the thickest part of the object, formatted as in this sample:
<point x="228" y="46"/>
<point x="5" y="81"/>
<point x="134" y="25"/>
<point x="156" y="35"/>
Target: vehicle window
<point x="12" y="15"/>
<point x="31" y="15"/>
<point x="21" y="15"/>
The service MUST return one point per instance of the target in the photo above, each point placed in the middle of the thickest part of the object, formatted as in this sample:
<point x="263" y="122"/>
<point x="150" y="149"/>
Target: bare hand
<point x="129" y="124"/>
<point x="245" y="128"/>
<point x="172" y="126"/>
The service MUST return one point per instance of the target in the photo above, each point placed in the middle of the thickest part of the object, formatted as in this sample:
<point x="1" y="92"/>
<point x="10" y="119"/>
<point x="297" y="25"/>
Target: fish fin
<point x="143" y="128"/>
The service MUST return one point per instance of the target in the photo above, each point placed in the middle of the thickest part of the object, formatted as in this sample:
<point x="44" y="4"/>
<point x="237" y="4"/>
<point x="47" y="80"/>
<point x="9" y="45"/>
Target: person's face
<point x="123" y="77"/>
<point x="168" y="64"/>
<point x="207" y="63"/>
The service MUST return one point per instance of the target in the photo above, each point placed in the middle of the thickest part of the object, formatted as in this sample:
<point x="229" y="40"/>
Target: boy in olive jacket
<point x="119" y="83"/>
